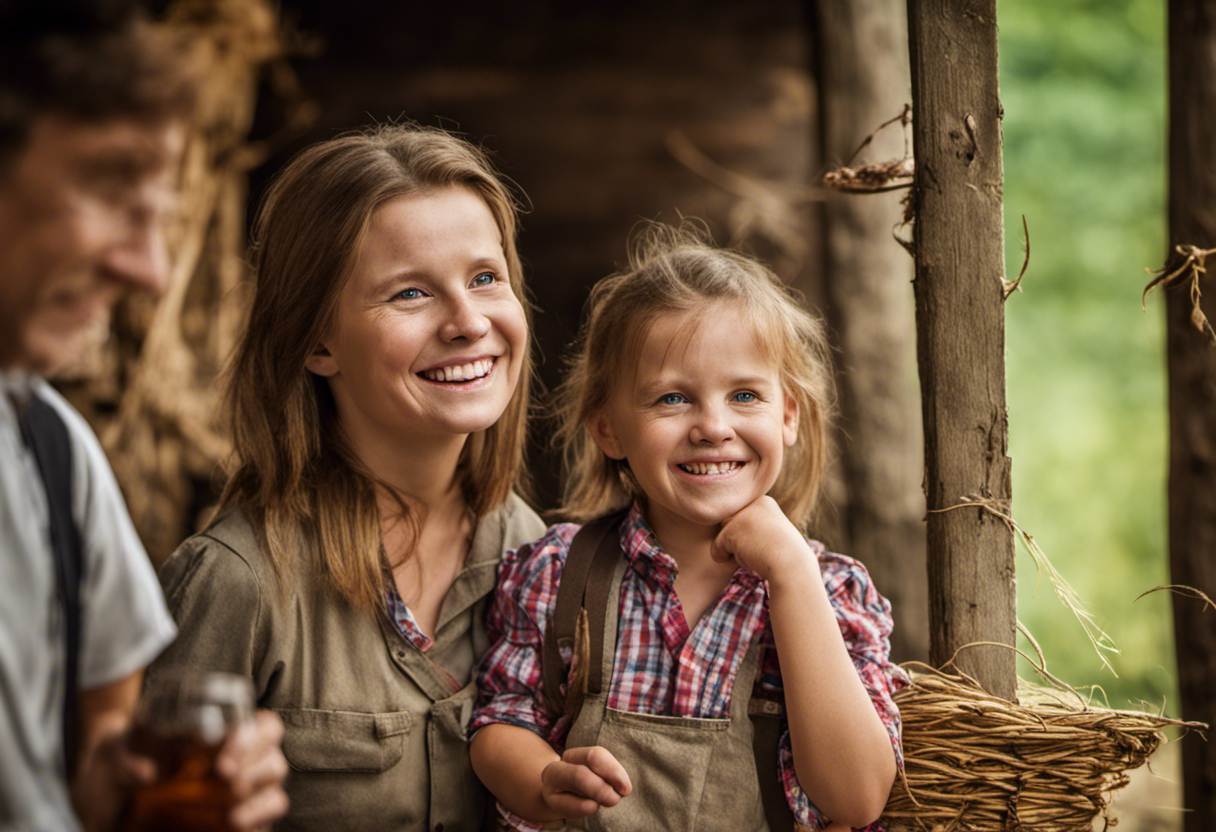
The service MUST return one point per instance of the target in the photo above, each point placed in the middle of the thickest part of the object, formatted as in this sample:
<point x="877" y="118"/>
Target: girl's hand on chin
<point x="760" y="537"/>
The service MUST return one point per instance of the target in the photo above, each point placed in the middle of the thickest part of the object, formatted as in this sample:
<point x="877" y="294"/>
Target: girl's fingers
<point x="578" y="780"/>
<point x="601" y="761"/>
<point x="718" y="550"/>
<point x="571" y="805"/>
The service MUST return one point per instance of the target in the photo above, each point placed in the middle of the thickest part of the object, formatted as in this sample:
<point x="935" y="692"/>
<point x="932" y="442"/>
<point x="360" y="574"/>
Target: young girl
<point x="689" y="660"/>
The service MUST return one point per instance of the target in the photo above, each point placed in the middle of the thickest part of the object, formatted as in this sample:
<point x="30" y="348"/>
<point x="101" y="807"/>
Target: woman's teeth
<point x="705" y="468"/>
<point x="460" y="372"/>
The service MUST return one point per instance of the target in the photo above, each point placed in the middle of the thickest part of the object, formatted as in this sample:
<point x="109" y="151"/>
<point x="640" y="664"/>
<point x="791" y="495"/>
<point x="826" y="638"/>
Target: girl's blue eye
<point x="746" y="397"/>
<point x="411" y="293"/>
<point x="485" y="279"/>
<point x="672" y="398"/>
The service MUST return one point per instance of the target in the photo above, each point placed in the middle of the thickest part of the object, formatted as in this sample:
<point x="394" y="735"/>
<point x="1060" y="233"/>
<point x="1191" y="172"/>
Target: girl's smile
<point x="703" y="423"/>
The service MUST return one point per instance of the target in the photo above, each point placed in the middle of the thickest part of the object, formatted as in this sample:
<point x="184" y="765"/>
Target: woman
<point x="378" y="401"/>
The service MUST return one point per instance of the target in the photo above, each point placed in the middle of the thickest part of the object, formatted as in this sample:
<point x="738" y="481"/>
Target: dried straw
<point x="151" y="393"/>
<point x="876" y="177"/>
<point x="1193" y="266"/>
<point x="975" y="761"/>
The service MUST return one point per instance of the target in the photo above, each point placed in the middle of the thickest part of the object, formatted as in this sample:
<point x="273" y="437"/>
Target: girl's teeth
<point x="705" y="468"/>
<point x="460" y="372"/>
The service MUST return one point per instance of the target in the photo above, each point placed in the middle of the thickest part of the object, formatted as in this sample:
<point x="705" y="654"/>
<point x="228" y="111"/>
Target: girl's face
<point x="704" y="422"/>
<point x="428" y="338"/>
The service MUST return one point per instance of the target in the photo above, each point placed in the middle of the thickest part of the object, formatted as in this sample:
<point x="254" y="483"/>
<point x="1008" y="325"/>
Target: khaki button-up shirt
<point x="374" y="727"/>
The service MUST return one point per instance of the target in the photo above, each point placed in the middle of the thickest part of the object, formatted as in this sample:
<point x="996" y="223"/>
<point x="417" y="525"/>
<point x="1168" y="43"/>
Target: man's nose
<point x="142" y="259"/>
<point x="139" y="256"/>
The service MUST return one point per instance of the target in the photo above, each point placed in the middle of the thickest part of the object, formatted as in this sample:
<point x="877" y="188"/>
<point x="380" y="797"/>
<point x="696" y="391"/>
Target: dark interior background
<point x="578" y="105"/>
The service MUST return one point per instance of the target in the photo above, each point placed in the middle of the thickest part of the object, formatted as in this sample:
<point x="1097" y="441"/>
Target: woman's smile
<point x="429" y="338"/>
<point x="461" y="374"/>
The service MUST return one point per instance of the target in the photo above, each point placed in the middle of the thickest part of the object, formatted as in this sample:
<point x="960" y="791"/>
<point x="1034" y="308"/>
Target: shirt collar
<point x="646" y="555"/>
<point x="640" y="545"/>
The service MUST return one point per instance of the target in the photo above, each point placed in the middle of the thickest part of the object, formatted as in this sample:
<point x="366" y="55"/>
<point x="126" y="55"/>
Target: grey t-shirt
<point x="124" y="620"/>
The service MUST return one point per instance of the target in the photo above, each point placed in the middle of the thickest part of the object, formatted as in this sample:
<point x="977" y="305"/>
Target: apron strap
<point x="579" y="613"/>
<point x="766" y="716"/>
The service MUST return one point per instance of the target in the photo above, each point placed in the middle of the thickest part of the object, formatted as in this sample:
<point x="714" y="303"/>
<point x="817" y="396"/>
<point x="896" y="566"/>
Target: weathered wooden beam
<point x="1192" y="389"/>
<point x="861" y="47"/>
<point x="960" y="266"/>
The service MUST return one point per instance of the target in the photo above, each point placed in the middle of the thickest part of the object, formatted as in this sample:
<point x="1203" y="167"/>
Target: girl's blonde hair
<point x="674" y="271"/>
<point x="293" y="471"/>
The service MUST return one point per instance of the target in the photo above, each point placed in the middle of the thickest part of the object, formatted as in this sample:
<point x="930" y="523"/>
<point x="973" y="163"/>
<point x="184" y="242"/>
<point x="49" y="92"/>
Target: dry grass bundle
<point x="876" y="177"/>
<point x="1192" y="265"/>
<point x="150" y="393"/>
<point x="974" y="761"/>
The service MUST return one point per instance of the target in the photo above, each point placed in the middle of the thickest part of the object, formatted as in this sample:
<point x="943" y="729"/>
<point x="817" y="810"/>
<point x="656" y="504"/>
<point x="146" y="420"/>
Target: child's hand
<point x="582" y="781"/>
<point x="760" y="537"/>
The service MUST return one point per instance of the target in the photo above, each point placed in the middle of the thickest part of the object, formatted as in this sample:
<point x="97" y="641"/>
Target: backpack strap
<point x="47" y="437"/>
<point x="578" y="615"/>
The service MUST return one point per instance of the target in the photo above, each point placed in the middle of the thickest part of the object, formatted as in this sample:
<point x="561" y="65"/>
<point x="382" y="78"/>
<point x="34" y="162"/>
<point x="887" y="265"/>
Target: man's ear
<point x="322" y="362"/>
<point x="604" y="435"/>
<point x="789" y="421"/>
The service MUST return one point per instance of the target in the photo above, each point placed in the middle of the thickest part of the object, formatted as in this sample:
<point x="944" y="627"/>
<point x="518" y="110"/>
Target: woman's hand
<point x="582" y="781"/>
<point x="252" y="763"/>
<point x="760" y="537"/>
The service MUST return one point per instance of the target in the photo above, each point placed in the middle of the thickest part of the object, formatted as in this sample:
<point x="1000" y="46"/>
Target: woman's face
<point x="428" y="338"/>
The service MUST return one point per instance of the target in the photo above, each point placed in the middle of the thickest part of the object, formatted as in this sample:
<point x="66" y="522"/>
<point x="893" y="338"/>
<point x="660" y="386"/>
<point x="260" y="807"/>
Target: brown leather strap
<point x="596" y="598"/>
<point x="577" y="577"/>
<point x="586" y="588"/>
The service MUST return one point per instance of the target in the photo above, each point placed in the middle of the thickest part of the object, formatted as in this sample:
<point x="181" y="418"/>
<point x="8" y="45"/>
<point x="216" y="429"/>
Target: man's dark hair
<point x="87" y="60"/>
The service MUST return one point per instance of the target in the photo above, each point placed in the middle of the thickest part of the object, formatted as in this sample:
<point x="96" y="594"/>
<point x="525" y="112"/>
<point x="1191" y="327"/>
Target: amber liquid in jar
<point x="182" y="732"/>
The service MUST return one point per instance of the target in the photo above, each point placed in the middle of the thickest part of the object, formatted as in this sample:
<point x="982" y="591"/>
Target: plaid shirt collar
<point x="647" y="557"/>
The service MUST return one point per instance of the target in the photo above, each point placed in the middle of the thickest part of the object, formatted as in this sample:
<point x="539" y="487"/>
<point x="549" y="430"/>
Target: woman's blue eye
<point x="411" y="293"/>
<point x="672" y="398"/>
<point x="485" y="279"/>
<point x="746" y="397"/>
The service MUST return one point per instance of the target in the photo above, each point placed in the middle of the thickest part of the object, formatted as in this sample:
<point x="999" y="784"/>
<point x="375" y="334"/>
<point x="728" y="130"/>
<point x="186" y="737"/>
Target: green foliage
<point x="1083" y="84"/>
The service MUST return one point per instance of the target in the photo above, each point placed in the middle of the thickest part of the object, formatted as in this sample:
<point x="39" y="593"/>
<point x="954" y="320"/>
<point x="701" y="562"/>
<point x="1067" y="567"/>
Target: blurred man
<point x="93" y="105"/>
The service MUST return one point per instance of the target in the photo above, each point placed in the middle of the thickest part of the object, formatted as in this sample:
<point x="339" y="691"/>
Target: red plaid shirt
<point x="661" y="667"/>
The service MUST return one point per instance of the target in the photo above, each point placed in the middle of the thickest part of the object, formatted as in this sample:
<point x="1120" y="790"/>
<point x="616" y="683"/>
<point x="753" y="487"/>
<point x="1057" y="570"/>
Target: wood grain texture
<point x="959" y="240"/>
<point x="1192" y="390"/>
<point x="861" y="47"/>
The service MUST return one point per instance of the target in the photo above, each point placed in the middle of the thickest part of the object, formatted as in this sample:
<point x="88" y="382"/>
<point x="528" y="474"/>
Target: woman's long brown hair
<point x="293" y="472"/>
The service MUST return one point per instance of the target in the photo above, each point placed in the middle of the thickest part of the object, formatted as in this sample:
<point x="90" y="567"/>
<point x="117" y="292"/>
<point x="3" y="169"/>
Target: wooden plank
<point x="960" y="265"/>
<point x="1192" y="389"/>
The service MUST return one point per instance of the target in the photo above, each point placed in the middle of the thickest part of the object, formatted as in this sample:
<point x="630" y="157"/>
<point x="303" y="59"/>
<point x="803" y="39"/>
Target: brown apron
<point x="687" y="773"/>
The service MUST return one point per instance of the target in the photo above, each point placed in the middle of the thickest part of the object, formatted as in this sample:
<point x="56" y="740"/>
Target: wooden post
<point x="863" y="81"/>
<point x="960" y="266"/>
<point x="1192" y="389"/>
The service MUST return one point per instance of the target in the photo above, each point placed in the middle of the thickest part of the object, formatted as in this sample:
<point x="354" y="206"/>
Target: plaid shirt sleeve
<point x="865" y="623"/>
<point x="509" y="679"/>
